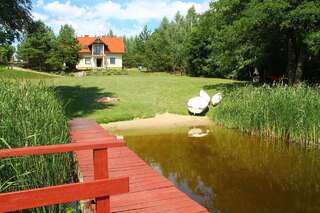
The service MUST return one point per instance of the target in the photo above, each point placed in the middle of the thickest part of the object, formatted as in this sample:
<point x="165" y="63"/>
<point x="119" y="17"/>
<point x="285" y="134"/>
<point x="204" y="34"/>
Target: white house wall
<point x="106" y="62"/>
<point x="82" y="63"/>
<point x="118" y="61"/>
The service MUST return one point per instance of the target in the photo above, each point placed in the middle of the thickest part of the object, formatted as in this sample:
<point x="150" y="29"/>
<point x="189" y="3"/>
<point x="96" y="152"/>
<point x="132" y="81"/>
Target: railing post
<point x="100" y="158"/>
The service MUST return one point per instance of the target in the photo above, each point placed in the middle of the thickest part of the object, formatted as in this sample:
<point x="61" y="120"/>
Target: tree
<point x="312" y="40"/>
<point x="250" y="34"/>
<point x="135" y="46"/>
<point x="236" y="37"/>
<point x="65" y="49"/>
<point x="140" y="44"/>
<point x="159" y="52"/>
<point x="129" y="59"/>
<point x="197" y="47"/>
<point x="36" y="45"/>
<point x="301" y="24"/>
<point x="110" y="33"/>
<point x="15" y="16"/>
<point x="6" y="54"/>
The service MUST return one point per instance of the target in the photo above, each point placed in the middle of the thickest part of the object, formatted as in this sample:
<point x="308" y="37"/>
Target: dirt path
<point x="37" y="72"/>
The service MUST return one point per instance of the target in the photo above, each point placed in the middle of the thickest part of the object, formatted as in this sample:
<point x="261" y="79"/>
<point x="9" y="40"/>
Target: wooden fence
<point x="99" y="189"/>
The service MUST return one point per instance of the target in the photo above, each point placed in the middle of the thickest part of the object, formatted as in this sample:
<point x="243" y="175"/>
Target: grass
<point x="31" y="115"/>
<point x="289" y="113"/>
<point x="19" y="74"/>
<point x="285" y="112"/>
<point x="141" y="94"/>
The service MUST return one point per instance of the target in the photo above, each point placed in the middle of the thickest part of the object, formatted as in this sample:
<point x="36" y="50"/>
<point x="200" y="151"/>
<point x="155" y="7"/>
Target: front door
<point x="99" y="62"/>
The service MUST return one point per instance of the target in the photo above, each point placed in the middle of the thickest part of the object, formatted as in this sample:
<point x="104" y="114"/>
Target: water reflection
<point x="230" y="172"/>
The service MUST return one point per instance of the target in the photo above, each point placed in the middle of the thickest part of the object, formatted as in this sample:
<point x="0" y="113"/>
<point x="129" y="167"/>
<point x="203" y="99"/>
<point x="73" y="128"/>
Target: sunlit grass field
<point x="141" y="94"/>
<point x="19" y="74"/>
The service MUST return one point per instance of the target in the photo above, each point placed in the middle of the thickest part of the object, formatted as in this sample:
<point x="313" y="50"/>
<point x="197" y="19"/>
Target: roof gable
<point x="114" y="44"/>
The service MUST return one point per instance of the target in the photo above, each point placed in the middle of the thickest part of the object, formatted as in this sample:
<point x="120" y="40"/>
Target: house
<point x="100" y="52"/>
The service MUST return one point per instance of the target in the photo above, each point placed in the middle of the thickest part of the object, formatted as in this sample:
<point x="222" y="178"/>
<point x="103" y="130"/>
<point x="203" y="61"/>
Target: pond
<point x="230" y="172"/>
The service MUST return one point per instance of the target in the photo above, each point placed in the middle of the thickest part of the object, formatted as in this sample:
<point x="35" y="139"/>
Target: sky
<point x="97" y="17"/>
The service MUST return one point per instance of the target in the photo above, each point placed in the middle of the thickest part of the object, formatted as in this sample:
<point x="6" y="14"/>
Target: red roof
<point x="114" y="44"/>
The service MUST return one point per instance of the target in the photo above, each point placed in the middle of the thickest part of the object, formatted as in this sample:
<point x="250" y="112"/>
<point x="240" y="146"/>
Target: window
<point x="112" y="60"/>
<point x="87" y="60"/>
<point x="97" y="49"/>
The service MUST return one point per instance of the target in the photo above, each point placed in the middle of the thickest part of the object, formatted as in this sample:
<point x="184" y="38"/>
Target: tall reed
<point x="289" y="113"/>
<point x="31" y="115"/>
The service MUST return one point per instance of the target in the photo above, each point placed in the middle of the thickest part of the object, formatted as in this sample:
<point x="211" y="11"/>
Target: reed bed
<point x="288" y="113"/>
<point x="31" y="115"/>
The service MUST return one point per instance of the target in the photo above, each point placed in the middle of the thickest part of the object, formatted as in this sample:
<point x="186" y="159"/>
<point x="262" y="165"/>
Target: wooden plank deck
<point x="148" y="190"/>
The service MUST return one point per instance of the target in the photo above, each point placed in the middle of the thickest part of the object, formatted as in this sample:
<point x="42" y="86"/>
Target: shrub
<point x="101" y="72"/>
<point x="31" y="115"/>
<point x="291" y="113"/>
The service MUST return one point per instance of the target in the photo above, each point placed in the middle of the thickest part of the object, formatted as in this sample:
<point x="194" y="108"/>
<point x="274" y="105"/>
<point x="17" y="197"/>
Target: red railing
<point x="100" y="189"/>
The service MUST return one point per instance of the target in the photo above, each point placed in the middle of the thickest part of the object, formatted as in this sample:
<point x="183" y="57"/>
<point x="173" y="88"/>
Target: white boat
<point x="197" y="105"/>
<point x="204" y="95"/>
<point x="216" y="99"/>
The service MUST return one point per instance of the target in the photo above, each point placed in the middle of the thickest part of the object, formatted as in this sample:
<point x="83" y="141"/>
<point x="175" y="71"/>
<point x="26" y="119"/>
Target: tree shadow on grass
<point x="225" y="87"/>
<point x="80" y="101"/>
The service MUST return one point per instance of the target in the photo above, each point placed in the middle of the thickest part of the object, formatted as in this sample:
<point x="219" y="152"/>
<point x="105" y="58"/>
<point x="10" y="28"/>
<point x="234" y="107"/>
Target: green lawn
<point x="18" y="74"/>
<point x="141" y="94"/>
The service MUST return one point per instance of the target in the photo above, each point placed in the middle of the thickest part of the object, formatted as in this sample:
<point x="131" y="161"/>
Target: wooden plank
<point x="92" y="140"/>
<point x="37" y="150"/>
<point x="14" y="201"/>
<point x="100" y="158"/>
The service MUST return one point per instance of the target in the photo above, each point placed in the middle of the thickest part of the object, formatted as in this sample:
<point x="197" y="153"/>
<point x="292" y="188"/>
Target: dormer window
<point x="97" y="49"/>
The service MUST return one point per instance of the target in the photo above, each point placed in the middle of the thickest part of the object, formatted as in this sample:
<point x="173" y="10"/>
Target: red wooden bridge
<point x="148" y="190"/>
<point x="104" y="167"/>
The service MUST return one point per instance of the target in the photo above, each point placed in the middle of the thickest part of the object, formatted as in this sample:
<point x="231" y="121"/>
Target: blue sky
<point x="97" y="17"/>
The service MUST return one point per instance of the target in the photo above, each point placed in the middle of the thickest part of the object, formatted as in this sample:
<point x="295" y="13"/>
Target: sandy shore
<point x="166" y="120"/>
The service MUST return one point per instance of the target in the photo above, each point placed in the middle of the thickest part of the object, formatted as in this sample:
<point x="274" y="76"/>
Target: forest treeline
<point x="41" y="49"/>
<point x="235" y="38"/>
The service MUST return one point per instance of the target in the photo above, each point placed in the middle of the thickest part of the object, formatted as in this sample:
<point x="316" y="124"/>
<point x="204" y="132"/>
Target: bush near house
<point x="31" y="115"/>
<point x="108" y="72"/>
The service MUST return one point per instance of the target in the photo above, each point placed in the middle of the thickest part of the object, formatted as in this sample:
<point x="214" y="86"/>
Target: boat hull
<point x="197" y="105"/>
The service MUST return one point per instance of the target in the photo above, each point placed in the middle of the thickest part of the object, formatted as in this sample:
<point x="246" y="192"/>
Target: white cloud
<point x="145" y="10"/>
<point x="39" y="16"/>
<point x="65" y="10"/>
<point x="96" y="19"/>
<point x="39" y="3"/>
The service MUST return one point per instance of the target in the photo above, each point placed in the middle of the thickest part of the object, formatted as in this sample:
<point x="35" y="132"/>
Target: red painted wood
<point x="37" y="150"/>
<point x="149" y="191"/>
<point x="100" y="158"/>
<point x="86" y="136"/>
<point x="26" y="199"/>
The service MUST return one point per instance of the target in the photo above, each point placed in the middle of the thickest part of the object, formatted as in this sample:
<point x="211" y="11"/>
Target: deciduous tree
<point x="15" y="17"/>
